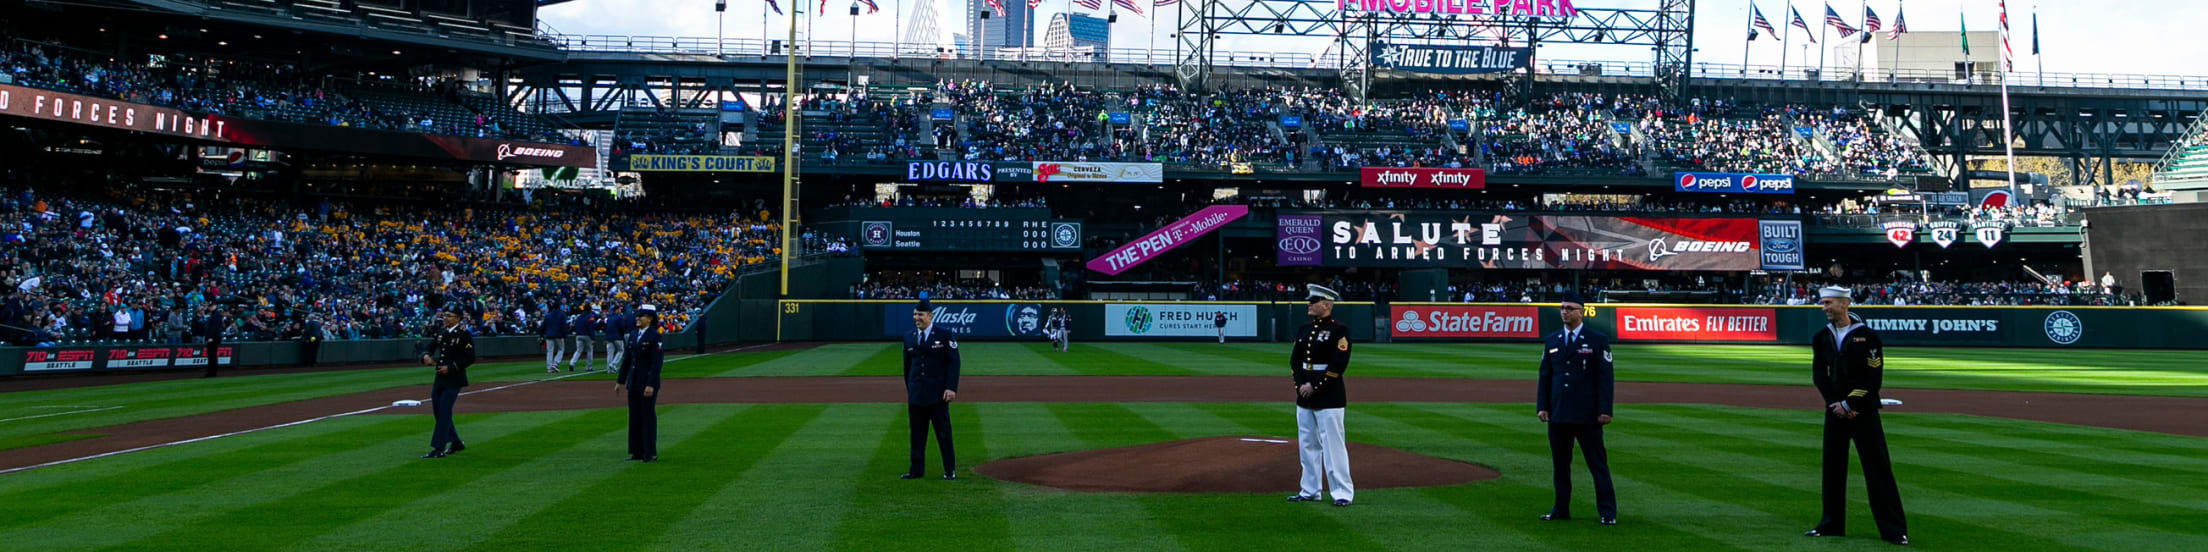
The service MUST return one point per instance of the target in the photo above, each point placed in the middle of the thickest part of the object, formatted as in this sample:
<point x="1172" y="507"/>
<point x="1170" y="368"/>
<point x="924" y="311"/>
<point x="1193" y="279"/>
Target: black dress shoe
<point x="650" y="459"/>
<point x="456" y="447"/>
<point x="634" y="457"/>
<point x="1820" y="533"/>
<point x="1302" y="498"/>
<point x="1900" y="541"/>
<point x="1554" y="517"/>
<point x="1609" y="521"/>
<point x="434" y="453"/>
<point x="950" y="476"/>
<point x="1341" y="503"/>
<point x="910" y="476"/>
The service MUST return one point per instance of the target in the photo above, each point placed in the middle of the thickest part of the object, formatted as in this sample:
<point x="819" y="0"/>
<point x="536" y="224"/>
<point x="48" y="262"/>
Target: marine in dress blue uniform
<point x="1320" y="358"/>
<point x="1573" y="397"/>
<point x="1847" y="363"/>
<point x="639" y="380"/>
<point x="931" y="383"/>
<point x="451" y="351"/>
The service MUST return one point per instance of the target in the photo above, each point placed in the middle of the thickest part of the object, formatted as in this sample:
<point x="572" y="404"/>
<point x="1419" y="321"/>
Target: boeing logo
<point x="506" y="151"/>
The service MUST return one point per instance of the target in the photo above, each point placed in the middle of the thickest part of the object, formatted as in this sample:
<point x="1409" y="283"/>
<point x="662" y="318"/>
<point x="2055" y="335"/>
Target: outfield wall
<point x="2081" y="327"/>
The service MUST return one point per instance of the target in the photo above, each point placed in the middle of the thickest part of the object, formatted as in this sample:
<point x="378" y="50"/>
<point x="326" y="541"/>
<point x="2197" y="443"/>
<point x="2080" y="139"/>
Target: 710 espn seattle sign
<point x="1415" y="177"/>
<point x="1546" y="9"/>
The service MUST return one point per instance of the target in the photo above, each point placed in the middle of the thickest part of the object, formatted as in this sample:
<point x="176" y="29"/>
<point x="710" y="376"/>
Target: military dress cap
<point x="922" y="306"/>
<point x="648" y="309"/>
<point x="1573" y="298"/>
<point x="1834" y="292"/>
<point x="1322" y="293"/>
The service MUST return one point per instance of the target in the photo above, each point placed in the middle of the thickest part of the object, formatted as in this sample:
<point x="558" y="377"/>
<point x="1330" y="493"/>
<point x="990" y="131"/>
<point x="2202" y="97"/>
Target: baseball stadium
<point x="1315" y="274"/>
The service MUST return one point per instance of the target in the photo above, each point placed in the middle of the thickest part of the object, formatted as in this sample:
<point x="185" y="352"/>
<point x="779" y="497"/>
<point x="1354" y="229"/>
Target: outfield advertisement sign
<point x="1936" y="326"/>
<point x="701" y="163"/>
<point x="1077" y="172"/>
<point x="1733" y="183"/>
<point x="1417" y="177"/>
<point x="1176" y="320"/>
<point x="1449" y="59"/>
<point x="1465" y="321"/>
<point x="1697" y="324"/>
<point x="118" y="358"/>
<point x="1509" y="240"/>
<point x="1177" y="234"/>
<point x="974" y="320"/>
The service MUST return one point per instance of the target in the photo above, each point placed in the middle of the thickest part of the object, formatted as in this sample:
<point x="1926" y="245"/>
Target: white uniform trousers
<point x="583" y="352"/>
<point x="614" y="349"/>
<point x="554" y="348"/>
<point x="1320" y="446"/>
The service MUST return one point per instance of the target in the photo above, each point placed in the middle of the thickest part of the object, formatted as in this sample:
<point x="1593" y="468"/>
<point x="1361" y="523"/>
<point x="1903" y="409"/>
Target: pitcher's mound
<point x="1224" y="465"/>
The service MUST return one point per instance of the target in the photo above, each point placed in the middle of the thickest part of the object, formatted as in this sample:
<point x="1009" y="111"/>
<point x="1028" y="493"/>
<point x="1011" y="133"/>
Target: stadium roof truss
<point x="1668" y="30"/>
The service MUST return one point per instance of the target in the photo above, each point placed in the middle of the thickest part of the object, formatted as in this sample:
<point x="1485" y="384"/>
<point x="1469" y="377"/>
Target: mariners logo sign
<point x="2063" y="328"/>
<point x="1945" y="232"/>
<point x="1991" y="233"/>
<point x="1900" y="232"/>
<point x="1065" y="235"/>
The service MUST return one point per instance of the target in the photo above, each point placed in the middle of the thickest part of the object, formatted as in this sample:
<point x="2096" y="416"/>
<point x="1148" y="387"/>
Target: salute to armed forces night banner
<point x="1514" y="240"/>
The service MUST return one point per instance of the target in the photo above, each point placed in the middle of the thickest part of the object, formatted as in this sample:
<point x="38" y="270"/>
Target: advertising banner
<point x="973" y="320"/>
<point x="1465" y="321"/>
<point x="1174" y="320"/>
<point x="1500" y="240"/>
<point x="1414" y="177"/>
<point x="950" y="171"/>
<point x="55" y="360"/>
<point x="1542" y="9"/>
<point x="1069" y="171"/>
<point x="1299" y="240"/>
<point x="1005" y="234"/>
<point x="1781" y="243"/>
<point x="1177" y="234"/>
<point x="701" y="163"/>
<point x="64" y="107"/>
<point x="1733" y="183"/>
<point x="1936" y="326"/>
<point x="1697" y="324"/>
<point x="121" y="358"/>
<point x="1449" y="60"/>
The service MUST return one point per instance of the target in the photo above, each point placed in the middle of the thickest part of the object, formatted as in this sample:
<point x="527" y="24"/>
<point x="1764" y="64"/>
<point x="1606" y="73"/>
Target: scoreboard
<point x="980" y="235"/>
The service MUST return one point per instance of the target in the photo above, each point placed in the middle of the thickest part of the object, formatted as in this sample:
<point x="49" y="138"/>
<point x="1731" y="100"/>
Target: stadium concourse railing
<point x="2080" y="327"/>
<point x="1311" y="60"/>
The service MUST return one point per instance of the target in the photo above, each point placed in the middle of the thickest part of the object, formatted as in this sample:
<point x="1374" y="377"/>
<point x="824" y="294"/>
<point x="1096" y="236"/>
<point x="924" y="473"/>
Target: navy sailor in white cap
<point x="1320" y="359"/>
<point x="1847" y="364"/>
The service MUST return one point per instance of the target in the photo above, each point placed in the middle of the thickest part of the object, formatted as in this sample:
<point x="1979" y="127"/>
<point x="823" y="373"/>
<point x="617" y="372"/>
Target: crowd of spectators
<point x="930" y="285"/>
<point x="76" y="264"/>
<point x="241" y="89"/>
<point x="1564" y="131"/>
<point x="957" y="202"/>
<point x="1910" y="292"/>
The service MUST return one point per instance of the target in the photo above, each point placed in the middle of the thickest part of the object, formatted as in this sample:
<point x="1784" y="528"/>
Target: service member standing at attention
<point x="639" y="379"/>
<point x="1573" y="397"/>
<point x="1320" y="358"/>
<point x="1847" y="362"/>
<point x="931" y="383"/>
<point x="451" y="353"/>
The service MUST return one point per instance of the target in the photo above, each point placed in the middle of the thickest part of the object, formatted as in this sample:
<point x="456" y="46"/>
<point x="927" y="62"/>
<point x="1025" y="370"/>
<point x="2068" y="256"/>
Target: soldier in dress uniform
<point x="931" y="383"/>
<point x="452" y="351"/>
<point x="639" y="381"/>
<point x="1573" y="397"/>
<point x="1320" y="358"/>
<point x="1847" y="362"/>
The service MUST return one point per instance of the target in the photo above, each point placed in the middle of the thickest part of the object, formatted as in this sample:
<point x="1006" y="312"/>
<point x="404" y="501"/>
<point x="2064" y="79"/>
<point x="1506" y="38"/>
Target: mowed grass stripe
<point x="1018" y="358"/>
<point x="636" y="505"/>
<point x="792" y="496"/>
<point x="49" y="493"/>
<point x="1675" y="521"/>
<point x="127" y="517"/>
<point x="1219" y="360"/>
<point x="888" y="360"/>
<point x="2156" y="446"/>
<point x="824" y="360"/>
<point x="1039" y="517"/>
<point x="897" y="513"/>
<point x="343" y="501"/>
<point x="2058" y="453"/>
<point x="1954" y="504"/>
<point x="1210" y="521"/>
<point x="1980" y="476"/>
<point x="523" y="491"/>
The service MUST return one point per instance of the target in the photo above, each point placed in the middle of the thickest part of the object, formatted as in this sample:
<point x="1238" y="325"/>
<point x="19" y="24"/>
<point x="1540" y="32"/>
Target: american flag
<point x="1798" y="22"/>
<point x="993" y="4"/>
<point x="1871" y="24"/>
<point x="1833" y="18"/>
<point x="870" y="6"/>
<point x="1129" y="4"/>
<point x="2007" y="63"/>
<point x="1090" y="4"/>
<point x="1758" y="22"/>
<point x="1166" y="2"/>
<point x="1901" y="25"/>
<point x="777" y="7"/>
<point x="1032" y="4"/>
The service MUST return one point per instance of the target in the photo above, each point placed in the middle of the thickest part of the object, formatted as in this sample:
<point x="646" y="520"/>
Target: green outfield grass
<point x="808" y="477"/>
<point x="2165" y="373"/>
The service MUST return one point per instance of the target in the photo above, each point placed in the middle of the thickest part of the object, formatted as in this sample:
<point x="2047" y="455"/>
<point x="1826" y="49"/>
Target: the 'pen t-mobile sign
<point x="1546" y="9"/>
<point x="1177" y="234"/>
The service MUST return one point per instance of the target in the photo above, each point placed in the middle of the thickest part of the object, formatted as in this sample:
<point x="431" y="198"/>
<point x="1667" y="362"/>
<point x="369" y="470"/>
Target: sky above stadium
<point x="2110" y="36"/>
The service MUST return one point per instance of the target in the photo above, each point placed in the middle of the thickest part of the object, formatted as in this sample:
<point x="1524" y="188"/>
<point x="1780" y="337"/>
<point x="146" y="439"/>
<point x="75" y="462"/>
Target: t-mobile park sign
<point x="1177" y="234"/>
<point x="1548" y="9"/>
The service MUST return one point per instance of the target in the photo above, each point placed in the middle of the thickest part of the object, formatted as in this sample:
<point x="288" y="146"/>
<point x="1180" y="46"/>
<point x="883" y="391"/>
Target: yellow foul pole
<point x="789" y="147"/>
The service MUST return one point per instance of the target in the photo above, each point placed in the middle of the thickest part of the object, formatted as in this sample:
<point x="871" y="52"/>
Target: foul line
<point x="283" y="425"/>
<point x="59" y="414"/>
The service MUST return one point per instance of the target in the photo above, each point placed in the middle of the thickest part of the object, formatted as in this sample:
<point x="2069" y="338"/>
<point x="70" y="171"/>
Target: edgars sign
<point x="950" y="171"/>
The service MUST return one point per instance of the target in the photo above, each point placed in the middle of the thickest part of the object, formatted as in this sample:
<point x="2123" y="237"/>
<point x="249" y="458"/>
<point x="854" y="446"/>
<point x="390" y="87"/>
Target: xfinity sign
<point x="1733" y="183"/>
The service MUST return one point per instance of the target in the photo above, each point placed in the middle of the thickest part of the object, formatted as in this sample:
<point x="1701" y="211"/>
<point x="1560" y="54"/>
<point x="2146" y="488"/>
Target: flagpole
<point x="2037" y="57"/>
<point x="1784" y="36"/>
<point x="1865" y="15"/>
<point x="1823" y="34"/>
<point x="1745" y="44"/>
<point x="1893" y="67"/>
<point x="2008" y="139"/>
<point x="897" y="41"/>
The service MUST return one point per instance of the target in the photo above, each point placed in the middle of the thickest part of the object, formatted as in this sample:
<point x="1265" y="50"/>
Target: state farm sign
<point x="1414" y="177"/>
<point x="1464" y="321"/>
<point x="1696" y="324"/>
